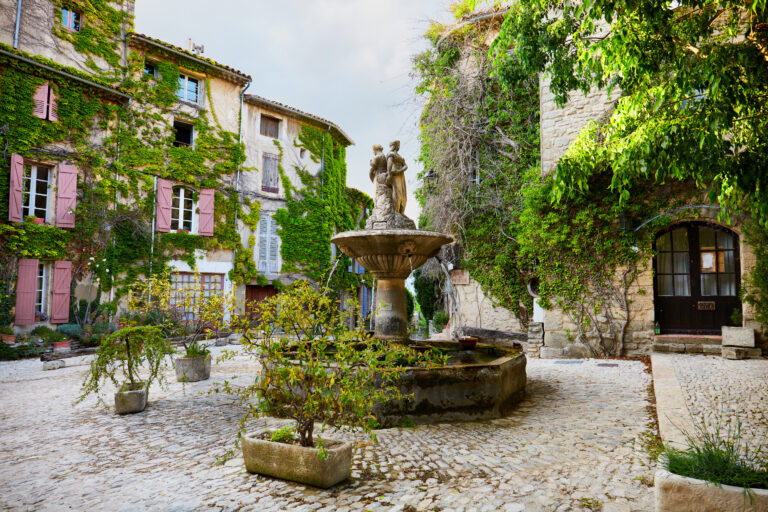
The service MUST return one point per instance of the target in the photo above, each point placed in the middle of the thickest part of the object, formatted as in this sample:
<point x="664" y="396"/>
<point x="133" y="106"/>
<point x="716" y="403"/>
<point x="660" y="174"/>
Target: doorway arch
<point x="697" y="278"/>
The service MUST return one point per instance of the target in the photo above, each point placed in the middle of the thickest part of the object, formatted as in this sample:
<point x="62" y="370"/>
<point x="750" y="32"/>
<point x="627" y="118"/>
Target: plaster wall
<point x="478" y="310"/>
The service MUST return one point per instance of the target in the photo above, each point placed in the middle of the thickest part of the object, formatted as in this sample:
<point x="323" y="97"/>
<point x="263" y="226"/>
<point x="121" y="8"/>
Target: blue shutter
<point x="363" y="308"/>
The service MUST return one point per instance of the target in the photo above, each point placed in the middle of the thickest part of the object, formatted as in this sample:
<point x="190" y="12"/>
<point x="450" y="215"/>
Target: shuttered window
<point x="182" y="208"/>
<point x="270" y="126"/>
<point x="270" y="175"/>
<point x="188" y="88"/>
<point x="269" y="246"/>
<point x="37" y="189"/>
<point x="45" y="103"/>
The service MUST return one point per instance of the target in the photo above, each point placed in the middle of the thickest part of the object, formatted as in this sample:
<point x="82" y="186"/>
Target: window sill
<point x="271" y="190"/>
<point x="188" y="103"/>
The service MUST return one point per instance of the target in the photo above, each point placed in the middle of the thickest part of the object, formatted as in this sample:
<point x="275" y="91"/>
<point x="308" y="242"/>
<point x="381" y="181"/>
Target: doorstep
<point x="687" y="343"/>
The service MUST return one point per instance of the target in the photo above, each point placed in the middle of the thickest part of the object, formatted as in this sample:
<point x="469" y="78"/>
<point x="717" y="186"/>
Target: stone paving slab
<point x="572" y="443"/>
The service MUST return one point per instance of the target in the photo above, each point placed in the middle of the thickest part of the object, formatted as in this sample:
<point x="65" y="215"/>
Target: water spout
<point x="333" y="269"/>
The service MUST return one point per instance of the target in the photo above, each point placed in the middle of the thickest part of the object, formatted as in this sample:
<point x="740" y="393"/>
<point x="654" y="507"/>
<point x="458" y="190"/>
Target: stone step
<point x="686" y="348"/>
<point x="689" y="339"/>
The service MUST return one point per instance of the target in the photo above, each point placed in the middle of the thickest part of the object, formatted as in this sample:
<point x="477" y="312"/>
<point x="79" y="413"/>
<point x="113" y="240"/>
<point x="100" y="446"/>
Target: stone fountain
<point x="390" y="246"/>
<point x="488" y="384"/>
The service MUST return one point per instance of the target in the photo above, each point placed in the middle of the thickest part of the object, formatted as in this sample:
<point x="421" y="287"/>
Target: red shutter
<point x="53" y="106"/>
<point x="66" y="197"/>
<point x="17" y="188"/>
<point x="205" y="221"/>
<point x="26" y="288"/>
<point x="163" y="212"/>
<point x="40" y="98"/>
<point x="62" y="276"/>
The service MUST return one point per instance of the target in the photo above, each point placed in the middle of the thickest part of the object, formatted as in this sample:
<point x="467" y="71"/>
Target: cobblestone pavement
<point x="721" y="392"/>
<point x="573" y="444"/>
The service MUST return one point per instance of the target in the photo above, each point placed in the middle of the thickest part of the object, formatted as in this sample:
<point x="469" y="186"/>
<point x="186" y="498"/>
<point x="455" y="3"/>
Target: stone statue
<point x="396" y="168"/>
<point x="386" y="173"/>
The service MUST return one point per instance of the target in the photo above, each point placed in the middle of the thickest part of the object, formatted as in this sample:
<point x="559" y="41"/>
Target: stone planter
<point x="193" y="369"/>
<point x="297" y="463"/>
<point x="129" y="402"/>
<point x="675" y="493"/>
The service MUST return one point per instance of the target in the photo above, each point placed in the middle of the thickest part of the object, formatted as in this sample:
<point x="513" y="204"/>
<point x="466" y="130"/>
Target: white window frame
<point x="41" y="289"/>
<point x="184" y="192"/>
<point x="182" y="91"/>
<point x="183" y="283"/>
<point x="30" y="191"/>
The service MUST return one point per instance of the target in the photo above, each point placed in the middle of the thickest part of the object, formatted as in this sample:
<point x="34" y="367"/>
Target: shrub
<point x="439" y="320"/>
<point x="72" y="331"/>
<point x="195" y="349"/>
<point x="42" y="331"/>
<point x="6" y="330"/>
<point x="284" y="435"/>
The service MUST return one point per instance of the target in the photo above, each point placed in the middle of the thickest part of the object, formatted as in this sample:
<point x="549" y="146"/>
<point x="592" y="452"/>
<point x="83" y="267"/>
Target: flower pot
<point x="8" y="338"/>
<point x="297" y="463"/>
<point x="129" y="402"/>
<point x="468" y="342"/>
<point x="193" y="369"/>
<point x="38" y="220"/>
<point x="675" y="493"/>
<point x="62" y="346"/>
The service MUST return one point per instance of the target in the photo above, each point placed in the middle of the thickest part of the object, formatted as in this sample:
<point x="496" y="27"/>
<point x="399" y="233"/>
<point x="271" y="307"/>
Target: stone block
<point x="738" y="337"/>
<point x="54" y="365"/>
<point x="675" y="493"/>
<point x="676" y="348"/>
<point x="576" y="351"/>
<point x="712" y="349"/>
<point x="741" y="353"/>
<point x="693" y="348"/>
<point x="555" y="339"/>
<point x="550" y="353"/>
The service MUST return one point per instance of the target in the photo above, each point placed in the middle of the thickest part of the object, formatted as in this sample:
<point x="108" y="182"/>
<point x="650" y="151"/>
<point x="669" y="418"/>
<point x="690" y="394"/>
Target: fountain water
<point x="391" y="247"/>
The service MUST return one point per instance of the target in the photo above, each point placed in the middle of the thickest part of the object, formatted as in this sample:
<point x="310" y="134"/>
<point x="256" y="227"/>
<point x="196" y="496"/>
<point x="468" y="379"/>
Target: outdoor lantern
<point x="430" y="181"/>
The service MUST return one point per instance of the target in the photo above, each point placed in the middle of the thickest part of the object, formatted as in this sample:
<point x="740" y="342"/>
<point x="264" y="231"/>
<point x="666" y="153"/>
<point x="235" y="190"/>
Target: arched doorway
<point x="696" y="278"/>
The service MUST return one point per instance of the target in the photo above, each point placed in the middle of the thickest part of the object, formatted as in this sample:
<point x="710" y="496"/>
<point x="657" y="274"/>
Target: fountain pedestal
<point x="390" y="255"/>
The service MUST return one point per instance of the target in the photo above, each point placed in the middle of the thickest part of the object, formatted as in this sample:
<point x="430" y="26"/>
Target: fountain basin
<point x="459" y="392"/>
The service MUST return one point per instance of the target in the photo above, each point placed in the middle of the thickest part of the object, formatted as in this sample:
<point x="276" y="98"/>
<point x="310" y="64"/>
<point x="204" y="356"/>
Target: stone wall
<point x="478" y="310"/>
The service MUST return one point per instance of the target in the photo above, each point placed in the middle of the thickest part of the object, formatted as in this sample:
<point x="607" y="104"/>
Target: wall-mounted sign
<point x="705" y="305"/>
<point x="459" y="277"/>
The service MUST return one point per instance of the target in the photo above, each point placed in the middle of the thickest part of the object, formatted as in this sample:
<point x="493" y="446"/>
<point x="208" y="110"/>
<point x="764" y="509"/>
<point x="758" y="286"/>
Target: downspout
<point x="237" y="174"/>
<point x="18" y="24"/>
<point x="152" y="243"/>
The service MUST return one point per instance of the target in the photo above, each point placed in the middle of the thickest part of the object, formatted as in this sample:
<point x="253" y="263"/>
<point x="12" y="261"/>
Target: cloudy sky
<point x="345" y="60"/>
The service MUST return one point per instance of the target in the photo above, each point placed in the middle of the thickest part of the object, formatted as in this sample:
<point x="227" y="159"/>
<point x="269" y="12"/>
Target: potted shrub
<point x="316" y="372"/>
<point x="132" y="359"/>
<point x="195" y="365"/>
<point x="7" y="335"/>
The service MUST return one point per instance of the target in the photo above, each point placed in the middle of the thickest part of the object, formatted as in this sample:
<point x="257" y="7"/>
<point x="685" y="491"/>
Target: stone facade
<point x="478" y="310"/>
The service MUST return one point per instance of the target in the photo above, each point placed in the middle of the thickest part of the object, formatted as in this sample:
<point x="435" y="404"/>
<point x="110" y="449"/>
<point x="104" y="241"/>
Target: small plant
<point x="721" y="459"/>
<point x="195" y="349"/>
<point x="440" y="320"/>
<point x="132" y="358"/>
<point x="284" y="435"/>
<point x="72" y="331"/>
<point x="6" y="330"/>
<point x="591" y="503"/>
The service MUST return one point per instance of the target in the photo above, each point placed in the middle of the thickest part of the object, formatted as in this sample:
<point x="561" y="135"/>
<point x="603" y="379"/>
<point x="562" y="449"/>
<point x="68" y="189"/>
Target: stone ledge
<point x="675" y="493"/>
<point x="739" y="337"/>
<point x="712" y="349"/>
<point x="741" y="353"/>
<point x="677" y="348"/>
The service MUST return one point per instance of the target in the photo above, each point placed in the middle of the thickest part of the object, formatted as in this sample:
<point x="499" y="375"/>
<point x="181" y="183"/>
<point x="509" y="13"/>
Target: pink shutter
<point x="40" y="109"/>
<point x="66" y="197"/>
<point x="26" y="288"/>
<point x="62" y="276"/>
<point x="163" y="212"/>
<point x="53" y="106"/>
<point x="205" y="221"/>
<point x="17" y="188"/>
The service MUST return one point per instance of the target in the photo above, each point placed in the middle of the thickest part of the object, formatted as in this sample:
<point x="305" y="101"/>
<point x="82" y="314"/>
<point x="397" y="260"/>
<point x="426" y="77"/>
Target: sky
<point x="348" y="61"/>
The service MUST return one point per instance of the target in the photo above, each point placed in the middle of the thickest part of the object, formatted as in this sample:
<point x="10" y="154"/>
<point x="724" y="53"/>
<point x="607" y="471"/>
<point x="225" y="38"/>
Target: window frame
<point x="29" y="189"/>
<point x="185" y="88"/>
<point x="264" y="185"/>
<point x="41" y="288"/>
<point x="189" y="282"/>
<point x="150" y="64"/>
<point x="69" y="15"/>
<point x="267" y="117"/>
<point x="184" y="193"/>
<point x="180" y="144"/>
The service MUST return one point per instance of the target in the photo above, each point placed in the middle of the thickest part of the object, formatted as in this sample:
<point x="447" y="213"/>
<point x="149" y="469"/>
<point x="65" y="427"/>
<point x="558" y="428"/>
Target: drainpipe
<point x="237" y="174"/>
<point x="152" y="244"/>
<point x="18" y="23"/>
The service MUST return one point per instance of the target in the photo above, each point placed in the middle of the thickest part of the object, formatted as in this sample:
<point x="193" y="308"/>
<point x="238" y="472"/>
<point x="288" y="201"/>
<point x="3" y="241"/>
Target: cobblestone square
<point x="573" y="443"/>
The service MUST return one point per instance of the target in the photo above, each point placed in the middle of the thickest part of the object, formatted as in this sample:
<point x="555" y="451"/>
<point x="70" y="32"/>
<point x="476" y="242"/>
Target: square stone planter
<point x="297" y="463"/>
<point x="129" y="402"/>
<point x="193" y="369"/>
<point x="675" y="493"/>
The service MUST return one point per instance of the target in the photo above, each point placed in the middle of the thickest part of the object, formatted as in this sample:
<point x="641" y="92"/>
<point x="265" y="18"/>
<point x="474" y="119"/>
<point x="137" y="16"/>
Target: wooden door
<point x="696" y="279"/>
<point x="255" y="294"/>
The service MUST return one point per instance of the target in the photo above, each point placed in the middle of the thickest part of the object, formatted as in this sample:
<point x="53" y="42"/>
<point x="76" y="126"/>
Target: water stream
<point x="333" y="269"/>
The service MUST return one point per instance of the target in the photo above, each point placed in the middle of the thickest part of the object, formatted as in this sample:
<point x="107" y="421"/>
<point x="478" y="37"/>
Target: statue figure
<point x="396" y="168"/>
<point x="386" y="173"/>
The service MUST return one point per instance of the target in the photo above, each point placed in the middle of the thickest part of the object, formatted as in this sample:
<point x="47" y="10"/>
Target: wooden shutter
<point x="205" y="219"/>
<point x="40" y="98"/>
<point x="263" y="243"/>
<point x="270" y="174"/>
<point x="66" y="196"/>
<point x="26" y="288"/>
<point x="53" y="105"/>
<point x="163" y="202"/>
<point x="62" y="276"/>
<point x="16" y="192"/>
<point x="274" y="244"/>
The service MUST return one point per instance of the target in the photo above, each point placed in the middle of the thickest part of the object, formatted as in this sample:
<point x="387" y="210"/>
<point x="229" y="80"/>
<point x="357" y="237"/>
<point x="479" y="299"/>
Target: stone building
<point x="153" y="132"/>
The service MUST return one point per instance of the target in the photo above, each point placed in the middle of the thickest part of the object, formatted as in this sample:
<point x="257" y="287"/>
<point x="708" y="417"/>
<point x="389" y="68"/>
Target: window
<point x="270" y="176"/>
<point x="717" y="262"/>
<point x="182" y="207"/>
<point x="184" y="134"/>
<point x="269" y="246"/>
<point x="270" y="126"/>
<point x="672" y="264"/>
<point x="150" y="69"/>
<point x="188" y="88"/>
<point x="70" y="19"/>
<point x="42" y="284"/>
<point x="187" y="291"/>
<point x="37" y="188"/>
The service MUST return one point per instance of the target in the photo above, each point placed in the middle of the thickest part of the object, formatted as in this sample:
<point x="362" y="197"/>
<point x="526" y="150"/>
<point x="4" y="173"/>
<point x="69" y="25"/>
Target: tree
<point x="693" y="82"/>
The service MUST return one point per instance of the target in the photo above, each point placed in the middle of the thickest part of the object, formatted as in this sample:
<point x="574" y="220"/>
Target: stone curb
<point x="671" y="408"/>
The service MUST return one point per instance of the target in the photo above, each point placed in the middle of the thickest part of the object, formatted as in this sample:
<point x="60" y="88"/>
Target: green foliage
<point x="427" y="293"/>
<point x="28" y="349"/>
<point x="72" y="331"/>
<point x="755" y="287"/>
<point x="409" y="304"/>
<point x="131" y="358"/>
<point x="440" y="320"/>
<point x="719" y="458"/>
<point x="196" y="349"/>
<point x="314" y="369"/>
<point x="284" y="435"/>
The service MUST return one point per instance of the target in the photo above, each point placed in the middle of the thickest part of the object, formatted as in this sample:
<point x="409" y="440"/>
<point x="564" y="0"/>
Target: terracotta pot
<point x="62" y="346"/>
<point x="468" y="342"/>
<point x="297" y="463"/>
<point x="8" y="338"/>
<point x="38" y="220"/>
